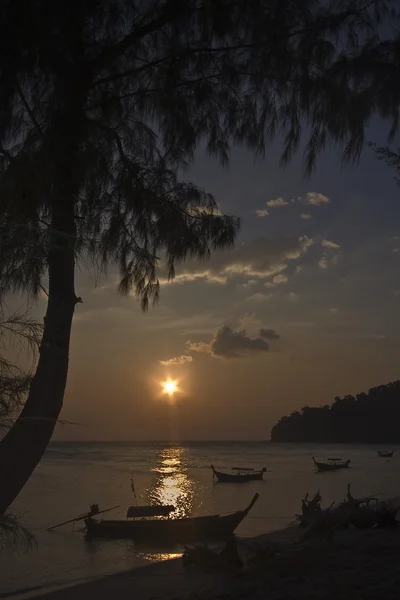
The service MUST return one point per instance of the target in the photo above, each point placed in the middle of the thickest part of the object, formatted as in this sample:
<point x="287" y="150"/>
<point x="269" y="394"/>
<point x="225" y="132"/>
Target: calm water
<point x="73" y="476"/>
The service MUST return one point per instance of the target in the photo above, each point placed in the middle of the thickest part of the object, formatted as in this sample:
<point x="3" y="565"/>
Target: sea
<point x="72" y="476"/>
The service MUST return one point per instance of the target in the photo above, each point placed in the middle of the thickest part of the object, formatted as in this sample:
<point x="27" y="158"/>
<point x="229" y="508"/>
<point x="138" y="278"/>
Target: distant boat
<point x="386" y="453"/>
<point x="239" y="477"/>
<point x="167" y="530"/>
<point x="333" y="465"/>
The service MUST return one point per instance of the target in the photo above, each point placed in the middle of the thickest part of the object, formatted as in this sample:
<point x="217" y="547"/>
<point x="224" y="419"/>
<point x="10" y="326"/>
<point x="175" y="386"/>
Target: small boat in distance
<point x="167" y="530"/>
<point x="333" y="465"/>
<point x="386" y="453"/>
<point x="238" y="477"/>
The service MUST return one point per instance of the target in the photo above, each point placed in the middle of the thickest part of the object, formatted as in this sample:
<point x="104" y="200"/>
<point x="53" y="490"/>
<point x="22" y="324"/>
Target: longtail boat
<point x="239" y="477"/>
<point x="140" y="528"/>
<point x="386" y="453"/>
<point x="333" y="465"/>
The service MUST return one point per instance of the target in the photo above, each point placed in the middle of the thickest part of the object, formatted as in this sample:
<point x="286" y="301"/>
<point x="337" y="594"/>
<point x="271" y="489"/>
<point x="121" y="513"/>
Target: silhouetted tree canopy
<point x="368" y="418"/>
<point x="20" y="331"/>
<point x="130" y="89"/>
<point x="104" y="102"/>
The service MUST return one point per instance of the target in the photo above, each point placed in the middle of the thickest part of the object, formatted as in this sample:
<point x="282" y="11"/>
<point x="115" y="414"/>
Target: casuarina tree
<point x="103" y="102"/>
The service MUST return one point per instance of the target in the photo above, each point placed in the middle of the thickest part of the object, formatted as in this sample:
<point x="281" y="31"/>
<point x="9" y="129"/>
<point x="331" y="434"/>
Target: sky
<point x="303" y="309"/>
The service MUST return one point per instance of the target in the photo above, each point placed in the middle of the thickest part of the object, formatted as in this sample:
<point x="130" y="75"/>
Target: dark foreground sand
<point x="358" y="565"/>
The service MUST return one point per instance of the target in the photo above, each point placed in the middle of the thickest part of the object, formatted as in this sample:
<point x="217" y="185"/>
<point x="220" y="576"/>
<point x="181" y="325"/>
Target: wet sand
<point x="357" y="565"/>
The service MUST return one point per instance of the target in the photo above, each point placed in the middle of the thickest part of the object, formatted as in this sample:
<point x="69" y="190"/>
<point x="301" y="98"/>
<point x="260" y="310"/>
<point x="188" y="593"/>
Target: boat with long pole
<point x="140" y="528"/>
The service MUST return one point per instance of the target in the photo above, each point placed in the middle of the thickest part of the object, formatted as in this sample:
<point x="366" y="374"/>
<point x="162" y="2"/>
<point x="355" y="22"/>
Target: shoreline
<point x="180" y="579"/>
<point x="359" y="564"/>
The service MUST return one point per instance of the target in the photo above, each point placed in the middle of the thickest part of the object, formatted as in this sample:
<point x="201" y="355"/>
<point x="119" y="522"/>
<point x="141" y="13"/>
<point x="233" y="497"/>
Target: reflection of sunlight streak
<point x="173" y="486"/>
<point x="160" y="555"/>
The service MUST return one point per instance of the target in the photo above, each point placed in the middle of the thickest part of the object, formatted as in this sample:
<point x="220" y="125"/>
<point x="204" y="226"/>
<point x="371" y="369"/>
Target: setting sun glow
<point x="169" y="387"/>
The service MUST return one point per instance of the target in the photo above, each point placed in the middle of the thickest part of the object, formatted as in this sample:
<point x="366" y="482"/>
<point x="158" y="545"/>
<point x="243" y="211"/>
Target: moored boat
<point x="167" y="530"/>
<point x="386" y="453"/>
<point x="239" y="477"/>
<point x="333" y="465"/>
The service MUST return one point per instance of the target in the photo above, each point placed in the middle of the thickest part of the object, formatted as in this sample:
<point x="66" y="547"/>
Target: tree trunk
<point x="24" y="445"/>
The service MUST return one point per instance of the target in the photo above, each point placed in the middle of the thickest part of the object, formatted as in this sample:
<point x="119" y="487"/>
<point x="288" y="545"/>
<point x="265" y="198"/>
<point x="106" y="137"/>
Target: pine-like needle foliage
<point x="127" y="90"/>
<point x="17" y="330"/>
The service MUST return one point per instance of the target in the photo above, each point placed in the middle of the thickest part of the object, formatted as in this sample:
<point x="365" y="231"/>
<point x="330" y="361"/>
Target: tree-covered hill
<point x="372" y="417"/>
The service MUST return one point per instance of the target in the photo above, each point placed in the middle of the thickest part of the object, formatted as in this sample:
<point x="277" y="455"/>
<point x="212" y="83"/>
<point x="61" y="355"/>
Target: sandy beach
<point x="358" y="565"/>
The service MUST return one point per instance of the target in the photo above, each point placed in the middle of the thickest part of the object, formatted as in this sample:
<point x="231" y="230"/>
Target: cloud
<point x="262" y="213"/>
<point x="316" y="199"/>
<point x="328" y="244"/>
<point x="334" y="310"/>
<point x="176" y="360"/>
<point x="305" y="216"/>
<point x="229" y="343"/>
<point x="323" y="263"/>
<point x="293" y="297"/>
<point x="277" y="202"/>
<point x="258" y="297"/>
<point x="329" y="257"/>
<point x="259" y="258"/>
<point x="198" y="347"/>
<point x="248" y="321"/>
<point x="269" y="334"/>
<point x="328" y="260"/>
<point x="277" y="280"/>
<point x="190" y="277"/>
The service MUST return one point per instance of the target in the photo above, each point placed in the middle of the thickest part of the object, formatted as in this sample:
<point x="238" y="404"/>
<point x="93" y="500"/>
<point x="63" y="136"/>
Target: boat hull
<point x="239" y="478"/>
<point x="331" y="466"/>
<point x="170" y="531"/>
<point x="212" y="528"/>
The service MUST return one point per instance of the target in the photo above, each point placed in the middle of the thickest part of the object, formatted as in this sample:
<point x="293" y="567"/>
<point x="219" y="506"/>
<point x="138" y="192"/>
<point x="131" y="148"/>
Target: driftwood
<point x="204" y="558"/>
<point x="361" y="513"/>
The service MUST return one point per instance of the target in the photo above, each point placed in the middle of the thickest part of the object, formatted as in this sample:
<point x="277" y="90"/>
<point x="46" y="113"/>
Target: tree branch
<point x="183" y="53"/>
<point x="6" y="153"/>
<point x="172" y="8"/>
<point x="29" y="111"/>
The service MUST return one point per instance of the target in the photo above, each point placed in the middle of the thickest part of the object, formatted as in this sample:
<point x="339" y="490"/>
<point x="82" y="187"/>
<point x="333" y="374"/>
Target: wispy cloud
<point x="249" y="321"/>
<point x="310" y="198"/>
<point x="327" y="260"/>
<point x="277" y="202"/>
<point x="277" y="280"/>
<point x="329" y="244"/>
<point x="316" y="199"/>
<point x="330" y="254"/>
<point x="260" y="258"/>
<point x="258" y="297"/>
<point x="206" y="276"/>
<point x="323" y="262"/>
<point x="176" y="360"/>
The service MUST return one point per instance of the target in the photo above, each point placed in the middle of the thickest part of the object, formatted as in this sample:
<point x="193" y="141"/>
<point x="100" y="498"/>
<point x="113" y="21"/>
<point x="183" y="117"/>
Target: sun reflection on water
<point x="173" y="485"/>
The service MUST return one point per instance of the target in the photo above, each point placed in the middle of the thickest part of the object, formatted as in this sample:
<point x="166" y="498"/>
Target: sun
<point x="169" y="387"/>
